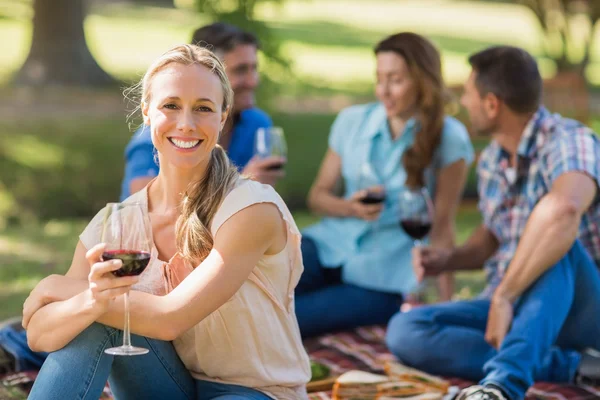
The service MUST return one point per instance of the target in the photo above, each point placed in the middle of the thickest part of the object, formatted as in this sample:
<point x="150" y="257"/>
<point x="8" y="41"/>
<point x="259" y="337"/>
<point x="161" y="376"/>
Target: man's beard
<point x="486" y="130"/>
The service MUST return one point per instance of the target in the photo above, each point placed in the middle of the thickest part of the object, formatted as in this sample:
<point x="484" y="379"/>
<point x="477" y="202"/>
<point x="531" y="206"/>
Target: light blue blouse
<point x="377" y="255"/>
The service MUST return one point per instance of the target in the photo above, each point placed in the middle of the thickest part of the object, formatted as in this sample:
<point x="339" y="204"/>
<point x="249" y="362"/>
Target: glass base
<point x="126" y="351"/>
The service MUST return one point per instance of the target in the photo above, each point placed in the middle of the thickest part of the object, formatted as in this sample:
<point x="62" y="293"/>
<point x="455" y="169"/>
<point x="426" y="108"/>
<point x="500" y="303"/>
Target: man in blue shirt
<point x="238" y="50"/>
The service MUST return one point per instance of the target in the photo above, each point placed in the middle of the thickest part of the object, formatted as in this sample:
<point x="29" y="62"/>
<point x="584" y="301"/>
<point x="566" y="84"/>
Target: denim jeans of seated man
<point x="554" y="320"/>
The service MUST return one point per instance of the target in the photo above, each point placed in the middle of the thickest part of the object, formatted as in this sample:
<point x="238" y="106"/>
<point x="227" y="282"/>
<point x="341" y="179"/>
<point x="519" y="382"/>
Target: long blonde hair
<point x="202" y="198"/>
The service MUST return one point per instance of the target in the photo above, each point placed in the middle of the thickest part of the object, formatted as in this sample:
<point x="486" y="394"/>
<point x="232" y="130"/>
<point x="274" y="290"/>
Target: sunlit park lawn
<point x="57" y="167"/>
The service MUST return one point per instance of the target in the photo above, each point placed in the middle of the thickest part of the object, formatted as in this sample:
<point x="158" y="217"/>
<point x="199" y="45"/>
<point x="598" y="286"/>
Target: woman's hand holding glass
<point x="367" y="204"/>
<point x="104" y="286"/>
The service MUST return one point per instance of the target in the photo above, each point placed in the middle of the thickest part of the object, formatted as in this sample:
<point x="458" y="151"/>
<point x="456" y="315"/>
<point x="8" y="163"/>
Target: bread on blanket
<point x="397" y="371"/>
<point x="424" y="396"/>
<point x="399" y="388"/>
<point x="357" y="385"/>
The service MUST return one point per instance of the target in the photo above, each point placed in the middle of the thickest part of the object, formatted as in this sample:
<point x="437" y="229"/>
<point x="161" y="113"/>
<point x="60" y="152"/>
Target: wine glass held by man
<point x="270" y="144"/>
<point x="212" y="276"/>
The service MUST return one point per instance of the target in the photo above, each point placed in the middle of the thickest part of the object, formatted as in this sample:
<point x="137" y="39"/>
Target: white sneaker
<point x="481" y="393"/>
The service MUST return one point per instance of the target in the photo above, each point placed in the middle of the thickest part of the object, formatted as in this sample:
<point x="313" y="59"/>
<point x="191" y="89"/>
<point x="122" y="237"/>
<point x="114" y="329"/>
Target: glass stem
<point x="421" y="285"/>
<point x="126" y="333"/>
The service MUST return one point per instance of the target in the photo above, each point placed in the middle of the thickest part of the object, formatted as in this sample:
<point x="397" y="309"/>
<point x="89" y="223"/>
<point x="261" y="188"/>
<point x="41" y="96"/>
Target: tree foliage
<point x="568" y="28"/>
<point x="242" y="13"/>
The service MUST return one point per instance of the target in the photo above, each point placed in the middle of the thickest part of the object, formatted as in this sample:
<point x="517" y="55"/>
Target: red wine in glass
<point x="134" y="262"/>
<point x="127" y="235"/>
<point x="416" y="216"/>
<point x="276" y="166"/>
<point x="416" y="229"/>
<point x="373" y="198"/>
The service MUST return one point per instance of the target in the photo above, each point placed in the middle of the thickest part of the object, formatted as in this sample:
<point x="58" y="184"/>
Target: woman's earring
<point x="155" y="156"/>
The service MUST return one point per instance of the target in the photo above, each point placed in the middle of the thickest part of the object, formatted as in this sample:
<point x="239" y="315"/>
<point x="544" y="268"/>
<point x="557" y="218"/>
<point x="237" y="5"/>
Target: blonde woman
<point x="225" y="295"/>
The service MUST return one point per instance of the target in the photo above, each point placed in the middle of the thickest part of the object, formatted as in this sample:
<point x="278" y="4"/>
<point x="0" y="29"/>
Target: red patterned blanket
<point x="362" y="349"/>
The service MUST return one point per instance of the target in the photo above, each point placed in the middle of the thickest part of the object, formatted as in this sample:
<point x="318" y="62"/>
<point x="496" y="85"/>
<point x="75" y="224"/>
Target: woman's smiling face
<point x="185" y="113"/>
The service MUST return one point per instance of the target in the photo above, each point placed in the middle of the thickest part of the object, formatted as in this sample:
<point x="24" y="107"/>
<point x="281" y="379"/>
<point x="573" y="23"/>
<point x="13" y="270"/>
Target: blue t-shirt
<point x="140" y="153"/>
<point x="377" y="255"/>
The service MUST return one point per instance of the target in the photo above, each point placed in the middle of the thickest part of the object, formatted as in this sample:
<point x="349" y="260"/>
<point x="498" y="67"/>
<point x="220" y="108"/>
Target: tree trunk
<point x="59" y="54"/>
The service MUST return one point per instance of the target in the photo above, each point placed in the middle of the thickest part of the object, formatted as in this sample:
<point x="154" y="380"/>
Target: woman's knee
<point x="96" y="333"/>
<point x="94" y="336"/>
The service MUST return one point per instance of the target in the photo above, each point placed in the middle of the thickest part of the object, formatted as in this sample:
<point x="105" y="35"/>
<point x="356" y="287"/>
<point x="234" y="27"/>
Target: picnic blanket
<point x="362" y="349"/>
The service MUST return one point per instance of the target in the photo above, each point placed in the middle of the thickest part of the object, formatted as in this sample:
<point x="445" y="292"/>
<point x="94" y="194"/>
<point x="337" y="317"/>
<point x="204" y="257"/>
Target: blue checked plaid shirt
<point x="550" y="146"/>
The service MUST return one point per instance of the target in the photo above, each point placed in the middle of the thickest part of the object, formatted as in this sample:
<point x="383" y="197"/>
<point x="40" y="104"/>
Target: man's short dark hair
<point x="222" y="37"/>
<point x="511" y="74"/>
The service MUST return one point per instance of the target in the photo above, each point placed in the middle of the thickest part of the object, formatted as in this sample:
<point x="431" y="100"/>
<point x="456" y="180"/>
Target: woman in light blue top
<point x="357" y="259"/>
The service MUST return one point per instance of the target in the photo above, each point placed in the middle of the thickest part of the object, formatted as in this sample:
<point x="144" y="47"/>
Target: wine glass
<point x="367" y="180"/>
<point x="416" y="217"/>
<point x="416" y="213"/>
<point x="271" y="142"/>
<point x="127" y="234"/>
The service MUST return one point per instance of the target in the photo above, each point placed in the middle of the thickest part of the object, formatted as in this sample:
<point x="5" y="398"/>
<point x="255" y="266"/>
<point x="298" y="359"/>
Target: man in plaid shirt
<point x="539" y="317"/>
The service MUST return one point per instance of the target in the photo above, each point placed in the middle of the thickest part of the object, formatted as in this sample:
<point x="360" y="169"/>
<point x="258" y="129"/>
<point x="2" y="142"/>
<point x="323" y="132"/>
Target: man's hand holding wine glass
<point x="267" y="170"/>
<point x="430" y="261"/>
<point x="104" y="285"/>
<point x="270" y="156"/>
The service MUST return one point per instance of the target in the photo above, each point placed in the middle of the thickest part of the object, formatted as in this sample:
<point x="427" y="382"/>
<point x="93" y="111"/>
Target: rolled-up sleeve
<point x="573" y="151"/>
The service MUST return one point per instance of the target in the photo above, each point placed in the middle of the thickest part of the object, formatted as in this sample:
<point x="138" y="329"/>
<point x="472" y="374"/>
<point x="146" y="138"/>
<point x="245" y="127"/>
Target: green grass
<point x="30" y="252"/>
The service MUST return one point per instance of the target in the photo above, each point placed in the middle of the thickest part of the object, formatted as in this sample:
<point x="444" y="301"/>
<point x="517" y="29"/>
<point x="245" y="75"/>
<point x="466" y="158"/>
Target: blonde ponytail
<point x="200" y="204"/>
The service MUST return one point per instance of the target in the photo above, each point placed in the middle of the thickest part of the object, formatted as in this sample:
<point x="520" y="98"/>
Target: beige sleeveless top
<point x="253" y="339"/>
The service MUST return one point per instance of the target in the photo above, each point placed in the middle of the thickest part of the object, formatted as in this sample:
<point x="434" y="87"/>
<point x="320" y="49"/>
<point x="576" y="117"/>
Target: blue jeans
<point x="556" y="318"/>
<point x="80" y="371"/>
<point x="325" y="304"/>
<point x="15" y="342"/>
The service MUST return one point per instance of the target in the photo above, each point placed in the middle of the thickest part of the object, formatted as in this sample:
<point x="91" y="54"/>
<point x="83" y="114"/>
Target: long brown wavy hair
<point x="203" y="198"/>
<point x="424" y="64"/>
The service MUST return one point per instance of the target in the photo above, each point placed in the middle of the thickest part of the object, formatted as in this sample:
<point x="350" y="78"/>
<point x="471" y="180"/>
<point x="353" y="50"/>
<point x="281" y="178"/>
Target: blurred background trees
<point x="568" y="28"/>
<point x="59" y="54"/>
